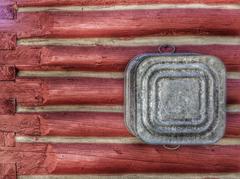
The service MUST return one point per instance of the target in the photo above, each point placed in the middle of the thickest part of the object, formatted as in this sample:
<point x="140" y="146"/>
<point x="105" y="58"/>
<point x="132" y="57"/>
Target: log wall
<point x="61" y="86"/>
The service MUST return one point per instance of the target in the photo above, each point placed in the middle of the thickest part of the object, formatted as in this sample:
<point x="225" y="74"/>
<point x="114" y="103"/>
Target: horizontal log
<point x="21" y="59"/>
<point x="7" y="73"/>
<point x="84" y="124"/>
<point x="25" y="91"/>
<point x="7" y="12"/>
<point x="7" y="41"/>
<point x="125" y="23"/>
<point x="7" y="139"/>
<point x="113" y="58"/>
<point x="129" y="158"/>
<point x="8" y="171"/>
<point x="105" y="125"/>
<point x="103" y="58"/>
<point x="94" y="91"/>
<point x="79" y="91"/>
<point x="8" y="106"/>
<point x="85" y="91"/>
<point x="24" y="3"/>
<point x="39" y="159"/>
<point x="20" y="124"/>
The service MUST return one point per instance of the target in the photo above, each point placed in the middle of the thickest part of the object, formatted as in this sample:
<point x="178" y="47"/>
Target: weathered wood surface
<point x="211" y="20"/>
<point x="125" y="23"/>
<point x="7" y="12"/>
<point x="83" y="124"/>
<point x="7" y="41"/>
<point x="8" y="171"/>
<point x="57" y="91"/>
<point x="114" y="2"/>
<point x="101" y="58"/>
<point x="119" y="158"/>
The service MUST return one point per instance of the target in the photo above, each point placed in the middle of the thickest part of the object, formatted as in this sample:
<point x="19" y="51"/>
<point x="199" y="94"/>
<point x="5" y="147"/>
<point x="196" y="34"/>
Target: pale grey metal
<point x="175" y="98"/>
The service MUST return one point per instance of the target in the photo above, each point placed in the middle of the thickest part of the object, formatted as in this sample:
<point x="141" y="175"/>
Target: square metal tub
<point x="175" y="98"/>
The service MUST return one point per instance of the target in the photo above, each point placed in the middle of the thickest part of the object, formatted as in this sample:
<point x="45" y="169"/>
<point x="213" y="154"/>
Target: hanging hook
<point x="166" y="49"/>
<point x="171" y="147"/>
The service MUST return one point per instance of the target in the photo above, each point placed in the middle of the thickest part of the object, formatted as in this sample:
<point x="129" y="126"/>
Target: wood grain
<point x="104" y="125"/>
<point x="37" y="159"/>
<point x="7" y="73"/>
<point x="113" y="58"/>
<point x="76" y="91"/>
<point x="84" y="124"/>
<point x="7" y="41"/>
<point x="24" y="3"/>
<point x="125" y="23"/>
<point x="20" y="124"/>
<point x="25" y="91"/>
<point x="103" y="58"/>
<point x="8" y="171"/>
<point x="7" y="12"/>
<point x="129" y="158"/>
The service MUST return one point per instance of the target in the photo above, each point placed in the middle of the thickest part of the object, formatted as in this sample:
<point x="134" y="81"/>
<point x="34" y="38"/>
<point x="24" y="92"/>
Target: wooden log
<point x="8" y="106"/>
<point x="7" y="12"/>
<point x="113" y="58"/>
<point x="129" y="158"/>
<point x="7" y="41"/>
<point x="25" y="91"/>
<point x="39" y="159"/>
<point x="24" y="3"/>
<point x="233" y="123"/>
<point x="127" y="23"/>
<point x="20" y="124"/>
<point x="83" y="124"/>
<point x="67" y="91"/>
<point x="103" y="58"/>
<point x="20" y="59"/>
<point x="7" y="139"/>
<point x="8" y="171"/>
<point x="7" y="73"/>
<point x="102" y="91"/>
<point x="84" y="90"/>
<point x="104" y="125"/>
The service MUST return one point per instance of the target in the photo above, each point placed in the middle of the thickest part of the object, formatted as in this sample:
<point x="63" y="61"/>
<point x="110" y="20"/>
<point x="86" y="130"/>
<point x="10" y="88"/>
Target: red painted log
<point x="102" y="91"/>
<point x="82" y="91"/>
<point x="8" y="171"/>
<point x="102" y="58"/>
<point x="125" y="23"/>
<point x="104" y="125"/>
<point x="119" y="158"/>
<point x="25" y="91"/>
<point x="7" y="139"/>
<point x="116" y="58"/>
<point x="7" y="12"/>
<point x="7" y="41"/>
<point x="60" y="91"/>
<point x="20" y="124"/>
<point x="233" y="125"/>
<point x="7" y="106"/>
<point x="37" y="159"/>
<point x="233" y="91"/>
<point x="83" y="124"/>
<point x="23" y="3"/>
<point x="7" y="73"/>
<point x="21" y="59"/>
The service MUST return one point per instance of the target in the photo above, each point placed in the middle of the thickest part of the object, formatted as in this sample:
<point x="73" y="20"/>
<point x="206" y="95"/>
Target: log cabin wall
<point x="61" y="86"/>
